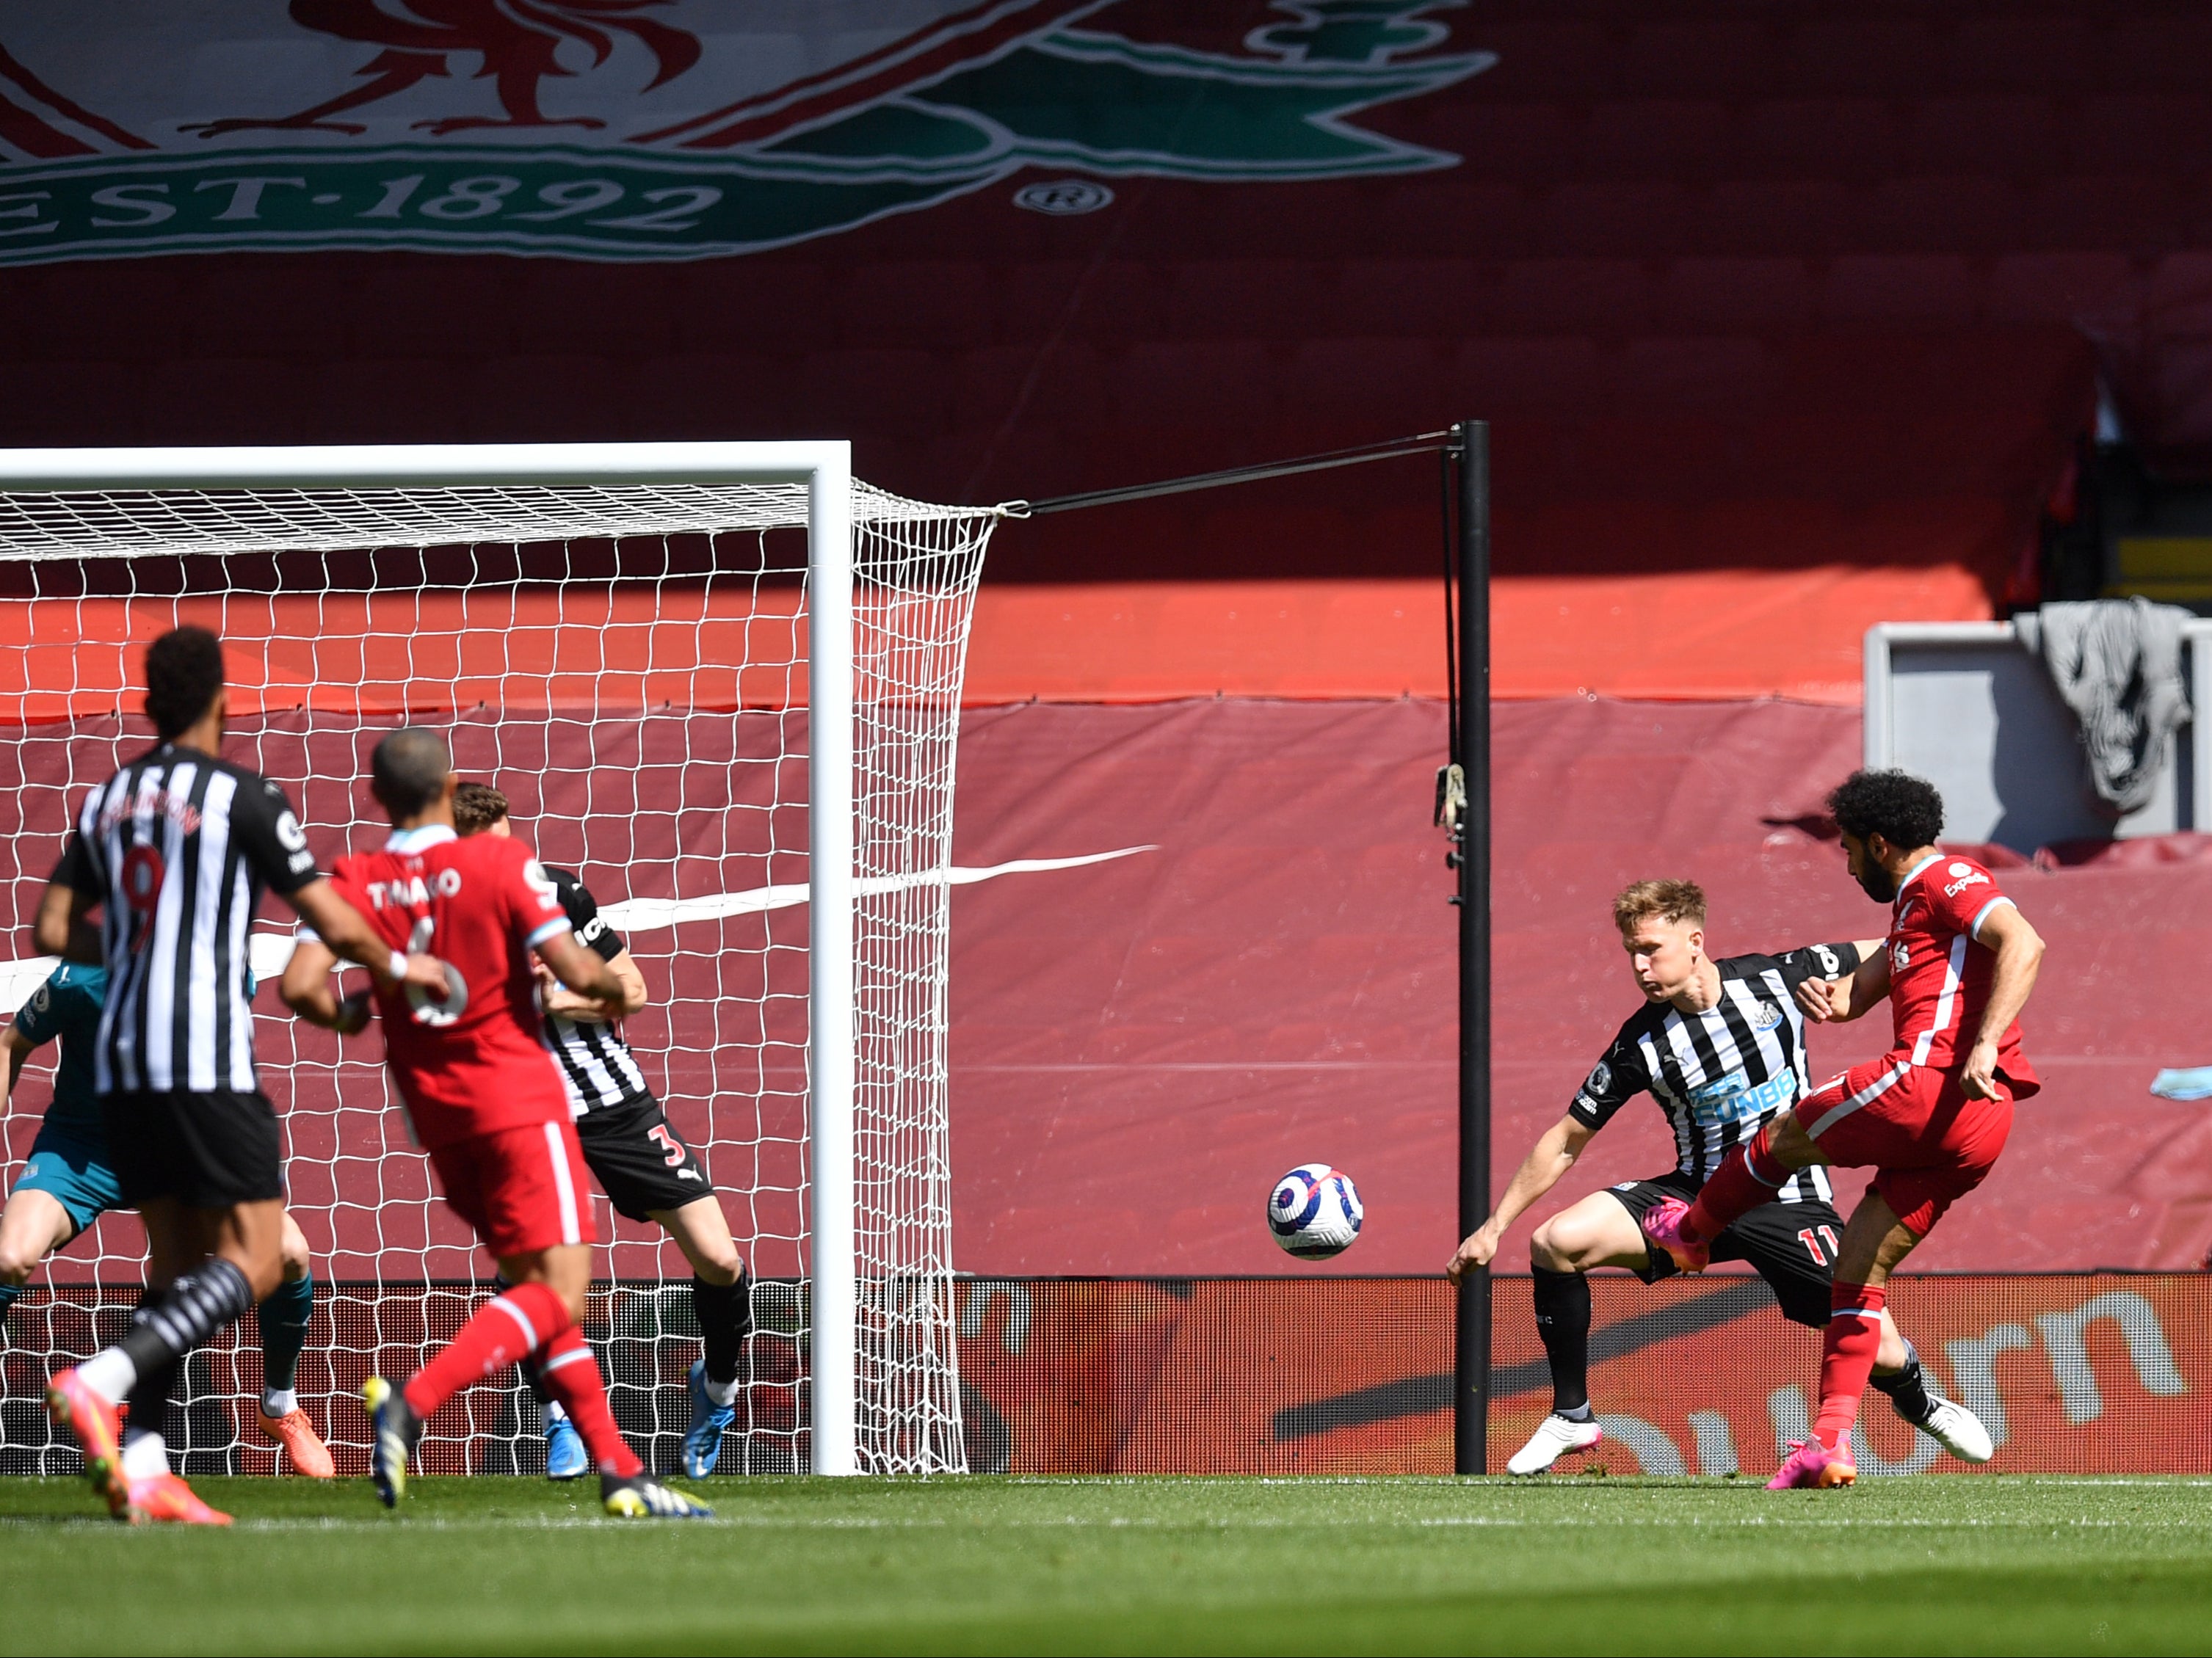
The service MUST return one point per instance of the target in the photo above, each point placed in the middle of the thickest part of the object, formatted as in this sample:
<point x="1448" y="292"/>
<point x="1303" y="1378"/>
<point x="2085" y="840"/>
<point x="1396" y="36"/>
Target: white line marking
<point x="268" y="951"/>
<point x="642" y="914"/>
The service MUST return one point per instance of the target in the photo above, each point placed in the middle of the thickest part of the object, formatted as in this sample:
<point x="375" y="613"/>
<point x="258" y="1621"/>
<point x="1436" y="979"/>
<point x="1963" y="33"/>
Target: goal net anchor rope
<point x="385" y="582"/>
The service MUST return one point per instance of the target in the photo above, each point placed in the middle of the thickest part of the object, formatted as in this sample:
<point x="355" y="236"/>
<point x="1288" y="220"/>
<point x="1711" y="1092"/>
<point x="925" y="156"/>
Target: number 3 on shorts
<point x="668" y="1143"/>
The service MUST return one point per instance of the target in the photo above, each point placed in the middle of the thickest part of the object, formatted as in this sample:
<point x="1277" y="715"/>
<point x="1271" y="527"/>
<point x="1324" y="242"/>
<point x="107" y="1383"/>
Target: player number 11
<point x="1812" y="1242"/>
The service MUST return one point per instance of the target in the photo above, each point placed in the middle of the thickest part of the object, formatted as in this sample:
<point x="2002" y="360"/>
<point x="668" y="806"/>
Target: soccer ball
<point x="1315" y="1212"/>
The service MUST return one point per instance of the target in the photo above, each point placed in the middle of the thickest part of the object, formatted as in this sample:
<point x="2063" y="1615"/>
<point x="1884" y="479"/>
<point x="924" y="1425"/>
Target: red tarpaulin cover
<point x="1139" y="1047"/>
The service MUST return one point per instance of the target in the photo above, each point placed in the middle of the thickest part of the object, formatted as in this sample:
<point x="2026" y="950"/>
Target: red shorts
<point x="521" y="1189"/>
<point x="1929" y="1144"/>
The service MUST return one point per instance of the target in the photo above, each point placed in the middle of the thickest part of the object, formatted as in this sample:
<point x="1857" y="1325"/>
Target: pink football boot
<point x="163" y="1498"/>
<point x="97" y="1426"/>
<point x="1813" y="1467"/>
<point x="1663" y="1224"/>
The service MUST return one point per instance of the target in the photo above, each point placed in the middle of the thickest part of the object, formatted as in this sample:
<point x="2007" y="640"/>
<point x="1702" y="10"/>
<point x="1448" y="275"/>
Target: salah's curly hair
<point x="1904" y="809"/>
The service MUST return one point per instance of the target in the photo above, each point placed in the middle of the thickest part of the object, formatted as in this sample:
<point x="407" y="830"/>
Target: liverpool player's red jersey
<point x="475" y="1062"/>
<point x="1939" y="976"/>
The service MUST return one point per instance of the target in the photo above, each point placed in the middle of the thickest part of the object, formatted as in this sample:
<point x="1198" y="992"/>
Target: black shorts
<point x="1792" y="1245"/>
<point x="206" y="1150"/>
<point x="642" y="1162"/>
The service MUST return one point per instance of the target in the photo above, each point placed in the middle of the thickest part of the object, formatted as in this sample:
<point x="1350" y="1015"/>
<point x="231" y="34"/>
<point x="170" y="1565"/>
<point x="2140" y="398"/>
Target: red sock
<point x="1748" y="1176"/>
<point x="572" y="1376"/>
<point x="1847" y="1350"/>
<point x="507" y="1328"/>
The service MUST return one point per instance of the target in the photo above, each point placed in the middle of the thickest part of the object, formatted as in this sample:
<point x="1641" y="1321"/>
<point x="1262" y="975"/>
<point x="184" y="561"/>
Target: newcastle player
<point x="174" y="850"/>
<point x="1720" y="1046"/>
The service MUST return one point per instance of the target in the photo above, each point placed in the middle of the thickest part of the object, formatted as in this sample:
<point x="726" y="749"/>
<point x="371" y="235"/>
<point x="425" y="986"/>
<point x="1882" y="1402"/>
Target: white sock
<point x="110" y="1374"/>
<point x="722" y="1392"/>
<point x="144" y="1455"/>
<point x="555" y="1413"/>
<point x="277" y="1403"/>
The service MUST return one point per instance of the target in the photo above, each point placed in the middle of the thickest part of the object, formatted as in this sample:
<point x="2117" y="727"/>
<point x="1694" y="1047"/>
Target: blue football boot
<point x="565" y="1456"/>
<point x="702" y="1442"/>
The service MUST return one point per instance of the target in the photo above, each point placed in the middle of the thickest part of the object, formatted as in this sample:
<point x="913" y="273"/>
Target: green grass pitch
<point x="1568" y="1565"/>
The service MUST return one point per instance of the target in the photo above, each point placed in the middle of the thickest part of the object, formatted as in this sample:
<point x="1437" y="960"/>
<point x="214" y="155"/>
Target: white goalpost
<point x="722" y="680"/>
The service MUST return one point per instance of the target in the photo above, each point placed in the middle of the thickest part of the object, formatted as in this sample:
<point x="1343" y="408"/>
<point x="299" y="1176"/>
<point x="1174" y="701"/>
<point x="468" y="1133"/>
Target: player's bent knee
<point x="702" y="1232"/>
<point x="1549" y="1250"/>
<point x="293" y="1255"/>
<point x="719" y="1265"/>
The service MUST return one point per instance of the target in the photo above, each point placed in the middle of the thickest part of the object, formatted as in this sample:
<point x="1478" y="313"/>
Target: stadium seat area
<point x="1788" y="318"/>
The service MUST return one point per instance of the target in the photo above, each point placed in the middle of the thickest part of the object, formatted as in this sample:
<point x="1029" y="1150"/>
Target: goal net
<point x="650" y="652"/>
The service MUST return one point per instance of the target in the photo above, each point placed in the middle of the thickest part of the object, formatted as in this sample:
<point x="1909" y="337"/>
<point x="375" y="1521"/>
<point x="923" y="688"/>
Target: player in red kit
<point x="1930" y="1116"/>
<point x="486" y="1101"/>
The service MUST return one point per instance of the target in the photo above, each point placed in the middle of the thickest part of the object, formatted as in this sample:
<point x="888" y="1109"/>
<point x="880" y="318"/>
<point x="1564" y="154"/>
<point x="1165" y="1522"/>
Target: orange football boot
<point x="97" y="1426"/>
<point x="292" y="1431"/>
<point x="164" y="1498"/>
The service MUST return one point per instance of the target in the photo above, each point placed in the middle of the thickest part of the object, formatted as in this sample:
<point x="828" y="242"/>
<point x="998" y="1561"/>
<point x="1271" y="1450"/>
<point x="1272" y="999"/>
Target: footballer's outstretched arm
<point x="2019" y="950"/>
<point x="560" y="1000"/>
<point x="346" y="932"/>
<point x="305" y="989"/>
<point x="1837" y="1001"/>
<point x="583" y="972"/>
<point x="1545" y="1166"/>
<point x="20" y="1048"/>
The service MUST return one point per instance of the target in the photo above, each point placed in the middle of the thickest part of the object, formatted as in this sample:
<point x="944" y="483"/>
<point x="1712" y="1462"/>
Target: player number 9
<point x="142" y="869"/>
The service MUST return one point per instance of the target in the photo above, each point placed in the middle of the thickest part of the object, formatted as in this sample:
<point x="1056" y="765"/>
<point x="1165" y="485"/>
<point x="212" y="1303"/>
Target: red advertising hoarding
<point x="2075" y="1372"/>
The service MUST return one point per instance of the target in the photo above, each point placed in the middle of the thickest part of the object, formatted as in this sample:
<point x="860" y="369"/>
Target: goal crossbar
<point x="420" y="466"/>
<point x="59" y="503"/>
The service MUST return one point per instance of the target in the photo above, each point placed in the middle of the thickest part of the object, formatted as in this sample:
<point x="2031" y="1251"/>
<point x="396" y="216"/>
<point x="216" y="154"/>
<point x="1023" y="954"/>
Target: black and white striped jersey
<point x="176" y="849"/>
<point x="595" y="1061"/>
<point x="1719" y="1075"/>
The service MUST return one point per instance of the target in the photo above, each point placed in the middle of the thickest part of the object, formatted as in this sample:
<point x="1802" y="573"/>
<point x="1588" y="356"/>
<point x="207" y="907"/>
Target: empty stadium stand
<point x="1790" y="316"/>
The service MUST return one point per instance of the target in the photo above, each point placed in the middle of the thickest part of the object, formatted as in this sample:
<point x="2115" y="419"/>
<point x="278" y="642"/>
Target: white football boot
<point x="1554" y="1438"/>
<point x="1958" y="1430"/>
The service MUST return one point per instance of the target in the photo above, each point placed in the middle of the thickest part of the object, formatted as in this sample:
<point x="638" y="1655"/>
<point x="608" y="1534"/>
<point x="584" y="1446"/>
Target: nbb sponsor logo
<point x="2078" y="1373"/>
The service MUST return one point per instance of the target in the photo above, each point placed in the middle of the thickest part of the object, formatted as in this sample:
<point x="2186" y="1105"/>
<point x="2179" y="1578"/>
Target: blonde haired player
<point x="1719" y="1045"/>
<point x="1930" y="1116"/>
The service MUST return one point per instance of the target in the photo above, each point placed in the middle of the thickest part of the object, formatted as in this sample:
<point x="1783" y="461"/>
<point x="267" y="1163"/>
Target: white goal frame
<point x="826" y="469"/>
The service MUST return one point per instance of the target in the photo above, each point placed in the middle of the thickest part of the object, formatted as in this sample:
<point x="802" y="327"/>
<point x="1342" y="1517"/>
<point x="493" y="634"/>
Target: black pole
<point x="1471" y="1391"/>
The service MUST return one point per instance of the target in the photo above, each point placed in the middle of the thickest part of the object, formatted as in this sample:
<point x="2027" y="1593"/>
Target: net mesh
<point x="630" y="666"/>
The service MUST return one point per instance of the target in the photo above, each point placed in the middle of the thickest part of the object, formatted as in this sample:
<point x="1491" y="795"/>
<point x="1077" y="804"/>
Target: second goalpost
<point x="723" y="680"/>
